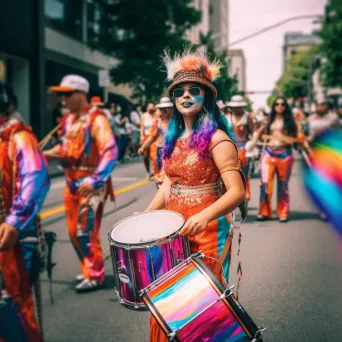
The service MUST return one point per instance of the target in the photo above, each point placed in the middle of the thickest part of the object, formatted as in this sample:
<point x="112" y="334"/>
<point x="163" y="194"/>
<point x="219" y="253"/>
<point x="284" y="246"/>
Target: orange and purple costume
<point x="158" y="131"/>
<point x="88" y="153"/>
<point x="200" y="178"/>
<point x="25" y="184"/>
<point x="241" y="134"/>
<point x="277" y="161"/>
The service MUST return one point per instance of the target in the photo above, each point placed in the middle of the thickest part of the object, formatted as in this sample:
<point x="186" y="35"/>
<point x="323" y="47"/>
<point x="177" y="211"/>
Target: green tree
<point x="136" y="33"/>
<point x="331" y="47"/>
<point x="226" y="85"/>
<point x="294" y="82"/>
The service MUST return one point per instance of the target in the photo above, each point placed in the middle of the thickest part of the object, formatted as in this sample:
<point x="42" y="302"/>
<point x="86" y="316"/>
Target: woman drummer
<point x="198" y="157"/>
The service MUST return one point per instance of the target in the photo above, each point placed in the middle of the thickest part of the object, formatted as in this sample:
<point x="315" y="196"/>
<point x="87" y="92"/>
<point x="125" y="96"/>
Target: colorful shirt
<point x="158" y="130"/>
<point x="25" y="177"/>
<point x="240" y="130"/>
<point x="88" y="149"/>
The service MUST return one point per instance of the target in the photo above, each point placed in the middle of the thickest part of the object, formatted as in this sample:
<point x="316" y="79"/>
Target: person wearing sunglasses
<point x="87" y="153"/>
<point x="200" y="162"/>
<point x="277" y="159"/>
<point x="157" y="134"/>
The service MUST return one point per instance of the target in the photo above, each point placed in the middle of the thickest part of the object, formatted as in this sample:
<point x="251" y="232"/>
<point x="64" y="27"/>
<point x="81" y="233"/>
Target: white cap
<point x="237" y="101"/>
<point x="165" y="102"/>
<point x="72" y="83"/>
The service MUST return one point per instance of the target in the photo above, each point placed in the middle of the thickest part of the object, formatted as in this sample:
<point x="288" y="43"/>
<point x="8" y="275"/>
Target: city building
<point x="237" y="66"/>
<point x="219" y="21"/>
<point x="297" y="41"/>
<point x="54" y="40"/>
<point x="204" y="26"/>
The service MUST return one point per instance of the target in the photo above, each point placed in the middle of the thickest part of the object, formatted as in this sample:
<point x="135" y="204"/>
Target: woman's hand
<point x="195" y="224"/>
<point x="141" y="150"/>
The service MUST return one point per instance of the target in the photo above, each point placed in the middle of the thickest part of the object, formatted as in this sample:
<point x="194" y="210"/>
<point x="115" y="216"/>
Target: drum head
<point x="147" y="227"/>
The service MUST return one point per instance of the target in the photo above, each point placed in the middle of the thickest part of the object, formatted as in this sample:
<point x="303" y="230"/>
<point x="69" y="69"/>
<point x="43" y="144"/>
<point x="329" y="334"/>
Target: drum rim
<point x="151" y="243"/>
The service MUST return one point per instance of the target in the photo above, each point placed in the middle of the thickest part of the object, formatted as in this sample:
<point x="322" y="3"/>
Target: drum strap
<point x="226" y="251"/>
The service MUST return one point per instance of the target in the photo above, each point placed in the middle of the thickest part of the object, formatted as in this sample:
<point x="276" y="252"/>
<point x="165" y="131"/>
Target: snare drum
<point x="143" y="248"/>
<point x="191" y="305"/>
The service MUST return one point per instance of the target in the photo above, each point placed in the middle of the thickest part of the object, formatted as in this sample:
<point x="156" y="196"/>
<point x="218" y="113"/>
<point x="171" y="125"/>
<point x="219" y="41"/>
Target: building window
<point x="65" y="16"/>
<point x="96" y="12"/>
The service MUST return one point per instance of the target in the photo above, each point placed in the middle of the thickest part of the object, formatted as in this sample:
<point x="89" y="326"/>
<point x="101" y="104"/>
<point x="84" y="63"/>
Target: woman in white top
<point x="147" y="121"/>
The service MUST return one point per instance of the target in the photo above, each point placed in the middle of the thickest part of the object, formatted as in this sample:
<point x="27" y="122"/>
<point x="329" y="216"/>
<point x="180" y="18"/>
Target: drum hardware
<point x="137" y="264"/>
<point x="165" y="276"/>
<point x="227" y="292"/>
<point x="191" y="305"/>
<point x="258" y="335"/>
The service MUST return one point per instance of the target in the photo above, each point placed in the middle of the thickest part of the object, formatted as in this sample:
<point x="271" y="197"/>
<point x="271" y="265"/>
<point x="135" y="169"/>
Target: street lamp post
<point x="271" y="27"/>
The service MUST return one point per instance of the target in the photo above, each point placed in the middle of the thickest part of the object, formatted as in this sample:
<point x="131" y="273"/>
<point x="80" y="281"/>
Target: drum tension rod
<point x="258" y="335"/>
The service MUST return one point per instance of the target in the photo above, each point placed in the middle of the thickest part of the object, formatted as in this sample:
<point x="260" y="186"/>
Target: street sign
<point x="104" y="79"/>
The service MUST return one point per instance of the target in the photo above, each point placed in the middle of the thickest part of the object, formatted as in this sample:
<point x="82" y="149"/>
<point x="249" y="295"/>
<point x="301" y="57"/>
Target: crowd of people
<point x="200" y="150"/>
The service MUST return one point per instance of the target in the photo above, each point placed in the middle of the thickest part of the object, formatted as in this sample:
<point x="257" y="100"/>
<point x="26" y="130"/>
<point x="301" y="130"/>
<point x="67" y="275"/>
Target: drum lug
<point x="227" y="293"/>
<point x="258" y="335"/>
<point x="172" y="335"/>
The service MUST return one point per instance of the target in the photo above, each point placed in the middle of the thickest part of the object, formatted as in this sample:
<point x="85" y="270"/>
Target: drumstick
<point x="45" y="140"/>
<point x="306" y="158"/>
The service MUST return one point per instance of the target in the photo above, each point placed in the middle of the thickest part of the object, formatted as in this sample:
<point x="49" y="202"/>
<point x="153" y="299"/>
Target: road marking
<point x="61" y="184"/>
<point x="60" y="209"/>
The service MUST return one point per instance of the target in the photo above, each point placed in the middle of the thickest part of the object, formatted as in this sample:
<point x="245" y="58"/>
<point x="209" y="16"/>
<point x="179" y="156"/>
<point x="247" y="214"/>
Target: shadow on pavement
<point x="294" y="216"/>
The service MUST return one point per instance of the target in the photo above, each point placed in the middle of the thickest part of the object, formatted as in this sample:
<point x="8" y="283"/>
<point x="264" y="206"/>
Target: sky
<point x="264" y="54"/>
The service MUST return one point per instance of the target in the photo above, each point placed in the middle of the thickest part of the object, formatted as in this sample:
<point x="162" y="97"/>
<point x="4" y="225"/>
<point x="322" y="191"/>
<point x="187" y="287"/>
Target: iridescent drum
<point x="144" y="247"/>
<point x="191" y="305"/>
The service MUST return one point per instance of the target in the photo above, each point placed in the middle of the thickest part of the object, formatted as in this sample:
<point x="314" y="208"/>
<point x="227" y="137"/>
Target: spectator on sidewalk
<point x="135" y="119"/>
<point x="121" y="120"/>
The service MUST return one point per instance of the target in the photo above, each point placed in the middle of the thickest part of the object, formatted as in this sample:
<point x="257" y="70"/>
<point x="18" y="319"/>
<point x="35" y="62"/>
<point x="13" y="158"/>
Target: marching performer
<point x="24" y="184"/>
<point x="277" y="159"/>
<point x="242" y="126"/>
<point x="87" y="154"/>
<point x="198" y="156"/>
<point x="157" y="133"/>
<point x="147" y="121"/>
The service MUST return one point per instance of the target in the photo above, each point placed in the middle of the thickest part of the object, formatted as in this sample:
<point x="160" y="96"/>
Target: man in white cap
<point x="157" y="133"/>
<point x="322" y="119"/>
<point x="242" y="126"/>
<point x="88" y="154"/>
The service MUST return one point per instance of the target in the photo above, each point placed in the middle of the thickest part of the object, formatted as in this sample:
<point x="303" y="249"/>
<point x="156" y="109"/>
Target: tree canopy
<point x="136" y="33"/>
<point x="294" y="82"/>
<point x="331" y="47"/>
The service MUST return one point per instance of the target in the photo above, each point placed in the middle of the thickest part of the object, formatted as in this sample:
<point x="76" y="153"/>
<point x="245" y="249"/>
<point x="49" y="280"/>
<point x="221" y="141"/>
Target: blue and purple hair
<point x="208" y="121"/>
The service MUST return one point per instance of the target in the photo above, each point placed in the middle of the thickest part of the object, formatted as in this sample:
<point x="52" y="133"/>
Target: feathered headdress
<point x="192" y="67"/>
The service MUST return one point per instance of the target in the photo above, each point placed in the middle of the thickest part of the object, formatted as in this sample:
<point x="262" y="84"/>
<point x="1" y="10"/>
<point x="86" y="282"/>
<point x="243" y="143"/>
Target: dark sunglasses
<point x="164" y="110"/>
<point x="69" y="93"/>
<point x="194" y="91"/>
<point x="280" y="104"/>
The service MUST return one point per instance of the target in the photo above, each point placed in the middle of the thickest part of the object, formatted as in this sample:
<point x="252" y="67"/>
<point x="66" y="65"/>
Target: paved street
<point x="292" y="273"/>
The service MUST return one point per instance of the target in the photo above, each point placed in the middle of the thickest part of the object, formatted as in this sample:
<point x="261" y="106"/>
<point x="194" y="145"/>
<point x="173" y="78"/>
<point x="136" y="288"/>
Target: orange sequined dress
<point x="186" y="168"/>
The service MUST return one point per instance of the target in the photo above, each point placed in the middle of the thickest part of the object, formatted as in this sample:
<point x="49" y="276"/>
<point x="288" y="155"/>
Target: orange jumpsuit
<point x="25" y="184"/>
<point x="241" y="134"/>
<point x="147" y="124"/>
<point x="88" y="153"/>
<point x="186" y="168"/>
